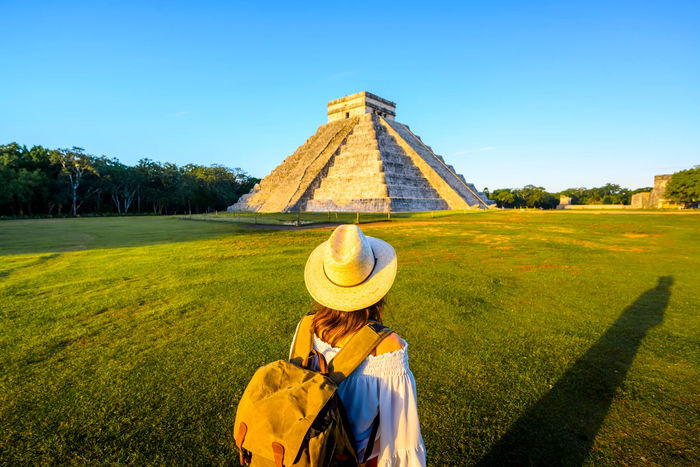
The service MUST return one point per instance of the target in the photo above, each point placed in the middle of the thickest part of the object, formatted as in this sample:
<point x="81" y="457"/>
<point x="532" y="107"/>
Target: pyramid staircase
<point x="280" y="191"/>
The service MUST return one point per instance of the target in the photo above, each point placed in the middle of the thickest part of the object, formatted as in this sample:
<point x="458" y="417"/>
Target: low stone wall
<point x="596" y="206"/>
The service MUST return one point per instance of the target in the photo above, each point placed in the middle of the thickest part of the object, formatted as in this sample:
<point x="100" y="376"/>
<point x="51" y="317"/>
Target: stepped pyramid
<point x="362" y="160"/>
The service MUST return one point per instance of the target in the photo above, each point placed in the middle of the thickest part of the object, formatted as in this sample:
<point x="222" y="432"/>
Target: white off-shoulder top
<point x="383" y="384"/>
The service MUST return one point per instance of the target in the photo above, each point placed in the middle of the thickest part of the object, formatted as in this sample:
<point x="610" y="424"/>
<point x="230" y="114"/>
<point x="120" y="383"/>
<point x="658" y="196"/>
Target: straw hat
<point x="350" y="271"/>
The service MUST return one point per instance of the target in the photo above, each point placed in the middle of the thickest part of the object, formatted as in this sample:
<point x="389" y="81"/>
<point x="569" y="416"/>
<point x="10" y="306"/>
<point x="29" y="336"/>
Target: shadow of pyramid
<point x="561" y="427"/>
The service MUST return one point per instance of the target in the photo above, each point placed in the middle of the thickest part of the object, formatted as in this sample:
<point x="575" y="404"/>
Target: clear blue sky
<point x="558" y="94"/>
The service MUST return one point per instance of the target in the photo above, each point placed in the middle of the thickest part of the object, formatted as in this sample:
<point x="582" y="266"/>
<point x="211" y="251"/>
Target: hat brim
<point x="356" y="297"/>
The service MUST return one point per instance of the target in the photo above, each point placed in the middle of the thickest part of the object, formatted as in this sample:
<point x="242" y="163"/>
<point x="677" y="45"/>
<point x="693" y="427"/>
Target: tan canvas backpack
<point x="291" y="415"/>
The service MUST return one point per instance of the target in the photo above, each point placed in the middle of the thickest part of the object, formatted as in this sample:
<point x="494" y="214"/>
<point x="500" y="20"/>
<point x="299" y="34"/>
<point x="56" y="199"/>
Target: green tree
<point x="538" y="197"/>
<point x="45" y="180"/>
<point x="27" y="185"/>
<point x="609" y="193"/>
<point x="117" y="181"/>
<point x="504" y="198"/>
<point x="76" y="165"/>
<point x="7" y="180"/>
<point x="684" y="187"/>
<point x="20" y="182"/>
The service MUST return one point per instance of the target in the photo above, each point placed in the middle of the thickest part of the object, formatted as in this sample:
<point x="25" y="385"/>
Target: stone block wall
<point x="640" y="200"/>
<point x="656" y="197"/>
<point x="358" y="104"/>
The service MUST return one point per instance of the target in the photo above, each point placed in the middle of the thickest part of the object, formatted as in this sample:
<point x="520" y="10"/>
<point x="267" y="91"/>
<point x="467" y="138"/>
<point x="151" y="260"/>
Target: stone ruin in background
<point x="363" y="160"/>
<point x="564" y="201"/>
<point x="654" y="198"/>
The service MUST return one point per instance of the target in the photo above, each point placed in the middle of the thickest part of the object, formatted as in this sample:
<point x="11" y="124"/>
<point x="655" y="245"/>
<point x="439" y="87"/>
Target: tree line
<point x="56" y="182"/>
<point x="683" y="188"/>
<point x="42" y="181"/>
<point x="531" y="196"/>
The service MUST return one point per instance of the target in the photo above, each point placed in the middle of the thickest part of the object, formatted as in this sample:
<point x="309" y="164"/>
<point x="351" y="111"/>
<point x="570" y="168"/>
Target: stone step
<point x="351" y="188"/>
<point x="418" y="204"/>
<point x="446" y="172"/>
<point x="382" y="204"/>
<point x="354" y="151"/>
<point x="354" y="166"/>
<point x="393" y="179"/>
<point x="276" y="190"/>
<point x="350" y="177"/>
<point x="355" y="173"/>
<point x="398" y="168"/>
<point x="412" y="191"/>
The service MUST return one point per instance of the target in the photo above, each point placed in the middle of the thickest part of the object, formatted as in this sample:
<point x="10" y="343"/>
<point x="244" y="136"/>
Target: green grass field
<point x="535" y="337"/>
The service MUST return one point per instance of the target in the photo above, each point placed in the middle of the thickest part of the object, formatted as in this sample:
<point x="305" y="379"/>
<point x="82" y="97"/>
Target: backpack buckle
<point x="245" y="456"/>
<point x="322" y="365"/>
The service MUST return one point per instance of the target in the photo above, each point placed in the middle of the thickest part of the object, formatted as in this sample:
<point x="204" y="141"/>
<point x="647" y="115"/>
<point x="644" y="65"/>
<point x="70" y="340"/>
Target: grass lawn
<point x="554" y="338"/>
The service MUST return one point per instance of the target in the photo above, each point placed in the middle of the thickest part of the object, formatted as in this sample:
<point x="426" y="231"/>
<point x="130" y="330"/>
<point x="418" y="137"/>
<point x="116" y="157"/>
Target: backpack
<point x="290" y="415"/>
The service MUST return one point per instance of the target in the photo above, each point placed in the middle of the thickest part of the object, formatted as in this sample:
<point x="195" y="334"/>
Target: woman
<point x="348" y="277"/>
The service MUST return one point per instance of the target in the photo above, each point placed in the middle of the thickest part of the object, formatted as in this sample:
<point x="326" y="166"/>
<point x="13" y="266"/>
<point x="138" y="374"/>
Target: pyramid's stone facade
<point x="362" y="160"/>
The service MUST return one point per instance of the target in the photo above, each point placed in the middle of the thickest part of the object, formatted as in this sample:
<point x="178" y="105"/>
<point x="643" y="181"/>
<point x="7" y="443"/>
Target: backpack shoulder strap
<point x="356" y="350"/>
<point x="303" y="342"/>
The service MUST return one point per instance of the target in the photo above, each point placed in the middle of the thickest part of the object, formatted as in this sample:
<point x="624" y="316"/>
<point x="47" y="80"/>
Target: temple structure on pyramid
<point x="362" y="160"/>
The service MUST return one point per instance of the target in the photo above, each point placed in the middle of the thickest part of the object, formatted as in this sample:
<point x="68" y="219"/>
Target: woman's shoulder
<point x="390" y="343"/>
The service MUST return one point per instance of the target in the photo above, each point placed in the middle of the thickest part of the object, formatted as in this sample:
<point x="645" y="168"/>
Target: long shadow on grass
<point x="561" y="427"/>
<point x="39" y="261"/>
<point x="38" y="236"/>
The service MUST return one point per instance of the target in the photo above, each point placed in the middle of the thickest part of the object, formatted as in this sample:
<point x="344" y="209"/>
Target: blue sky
<point x="557" y="94"/>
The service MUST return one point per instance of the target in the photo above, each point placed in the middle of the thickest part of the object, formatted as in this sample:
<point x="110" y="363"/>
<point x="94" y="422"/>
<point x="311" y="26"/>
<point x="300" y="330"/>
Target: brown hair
<point x="333" y="325"/>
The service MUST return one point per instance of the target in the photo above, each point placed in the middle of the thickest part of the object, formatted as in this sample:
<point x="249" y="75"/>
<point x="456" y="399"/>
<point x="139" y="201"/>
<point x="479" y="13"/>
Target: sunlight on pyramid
<point x="362" y="160"/>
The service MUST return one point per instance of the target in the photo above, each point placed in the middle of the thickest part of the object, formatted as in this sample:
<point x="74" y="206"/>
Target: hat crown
<point x="349" y="258"/>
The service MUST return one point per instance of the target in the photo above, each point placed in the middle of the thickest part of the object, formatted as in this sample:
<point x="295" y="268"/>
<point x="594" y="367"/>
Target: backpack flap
<point x="277" y="409"/>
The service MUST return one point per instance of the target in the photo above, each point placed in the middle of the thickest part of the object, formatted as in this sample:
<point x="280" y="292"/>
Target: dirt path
<point x="289" y="227"/>
<point x="329" y="225"/>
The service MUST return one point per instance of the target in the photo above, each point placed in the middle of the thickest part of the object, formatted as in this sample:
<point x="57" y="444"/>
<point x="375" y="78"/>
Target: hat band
<point x="354" y="285"/>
